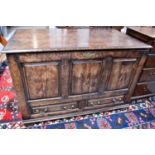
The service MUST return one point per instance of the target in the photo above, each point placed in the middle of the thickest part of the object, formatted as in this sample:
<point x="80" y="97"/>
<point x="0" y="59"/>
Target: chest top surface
<point x="41" y="40"/>
<point x="147" y="30"/>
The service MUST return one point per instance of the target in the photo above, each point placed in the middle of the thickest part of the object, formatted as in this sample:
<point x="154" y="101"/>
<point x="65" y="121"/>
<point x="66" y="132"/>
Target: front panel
<point x="69" y="78"/>
<point x="121" y="73"/>
<point x="42" y="79"/>
<point x="55" y="80"/>
<point x="85" y="76"/>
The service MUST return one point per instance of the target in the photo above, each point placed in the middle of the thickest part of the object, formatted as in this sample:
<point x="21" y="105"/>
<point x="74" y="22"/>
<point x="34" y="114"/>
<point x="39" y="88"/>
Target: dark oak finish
<point x="68" y="72"/>
<point x="19" y="86"/>
<point x="43" y="40"/>
<point x="146" y="83"/>
<point x="144" y="89"/>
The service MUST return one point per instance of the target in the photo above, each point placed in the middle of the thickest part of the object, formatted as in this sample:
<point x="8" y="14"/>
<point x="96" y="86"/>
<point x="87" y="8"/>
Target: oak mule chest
<point x="60" y="73"/>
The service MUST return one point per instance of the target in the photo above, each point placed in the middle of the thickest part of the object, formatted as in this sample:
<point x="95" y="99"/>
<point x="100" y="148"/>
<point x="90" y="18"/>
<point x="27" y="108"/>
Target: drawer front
<point x="56" y="109"/>
<point x="150" y="62"/>
<point x="147" y="75"/>
<point x="105" y="102"/>
<point x="78" y="106"/>
<point x="144" y="89"/>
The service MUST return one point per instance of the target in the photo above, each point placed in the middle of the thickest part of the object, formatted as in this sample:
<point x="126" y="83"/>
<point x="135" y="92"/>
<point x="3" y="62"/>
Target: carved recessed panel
<point x="41" y="79"/>
<point x="121" y="73"/>
<point x="85" y="76"/>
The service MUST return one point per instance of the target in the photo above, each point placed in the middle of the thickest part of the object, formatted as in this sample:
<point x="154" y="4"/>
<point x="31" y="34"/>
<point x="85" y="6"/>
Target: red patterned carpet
<point x="8" y="104"/>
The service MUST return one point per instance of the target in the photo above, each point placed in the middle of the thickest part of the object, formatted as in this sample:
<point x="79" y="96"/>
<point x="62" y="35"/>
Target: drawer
<point x="105" y="102"/>
<point x="55" y="109"/>
<point x="144" y="89"/>
<point x="150" y="62"/>
<point x="148" y="74"/>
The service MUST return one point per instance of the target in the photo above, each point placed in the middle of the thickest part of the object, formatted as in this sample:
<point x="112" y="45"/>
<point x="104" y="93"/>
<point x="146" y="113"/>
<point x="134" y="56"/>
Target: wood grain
<point x="69" y="72"/>
<point x="18" y="85"/>
<point x="42" y="80"/>
<point x="43" y="40"/>
<point x="147" y="35"/>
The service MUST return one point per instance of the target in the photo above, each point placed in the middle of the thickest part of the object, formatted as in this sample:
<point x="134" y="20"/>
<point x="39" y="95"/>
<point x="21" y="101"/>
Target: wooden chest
<point x="60" y="73"/>
<point x="146" y="83"/>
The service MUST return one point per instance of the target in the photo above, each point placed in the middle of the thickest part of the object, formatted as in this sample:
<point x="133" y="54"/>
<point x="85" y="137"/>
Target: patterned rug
<point x="139" y="115"/>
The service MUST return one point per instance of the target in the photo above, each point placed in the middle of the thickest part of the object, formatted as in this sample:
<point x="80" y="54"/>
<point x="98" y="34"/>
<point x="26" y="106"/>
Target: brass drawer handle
<point x="91" y="103"/>
<point x="36" y="111"/>
<point x="40" y="110"/>
<point x="88" y="55"/>
<point x="43" y="110"/>
<point x="70" y="107"/>
<point x="116" y="100"/>
<point x="95" y="103"/>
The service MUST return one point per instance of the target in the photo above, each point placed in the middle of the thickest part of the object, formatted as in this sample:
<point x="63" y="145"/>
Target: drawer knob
<point x="64" y="107"/>
<point x="120" y="99"/>
<point x="46" y="109"/>
<point x="73" y="106"/>
<point x="144" y="89"/>
<point x="98" y="102"/>
<point x="91" y="103"/>
<point x="114" y="99"/>
<point x="36" y="110"/>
